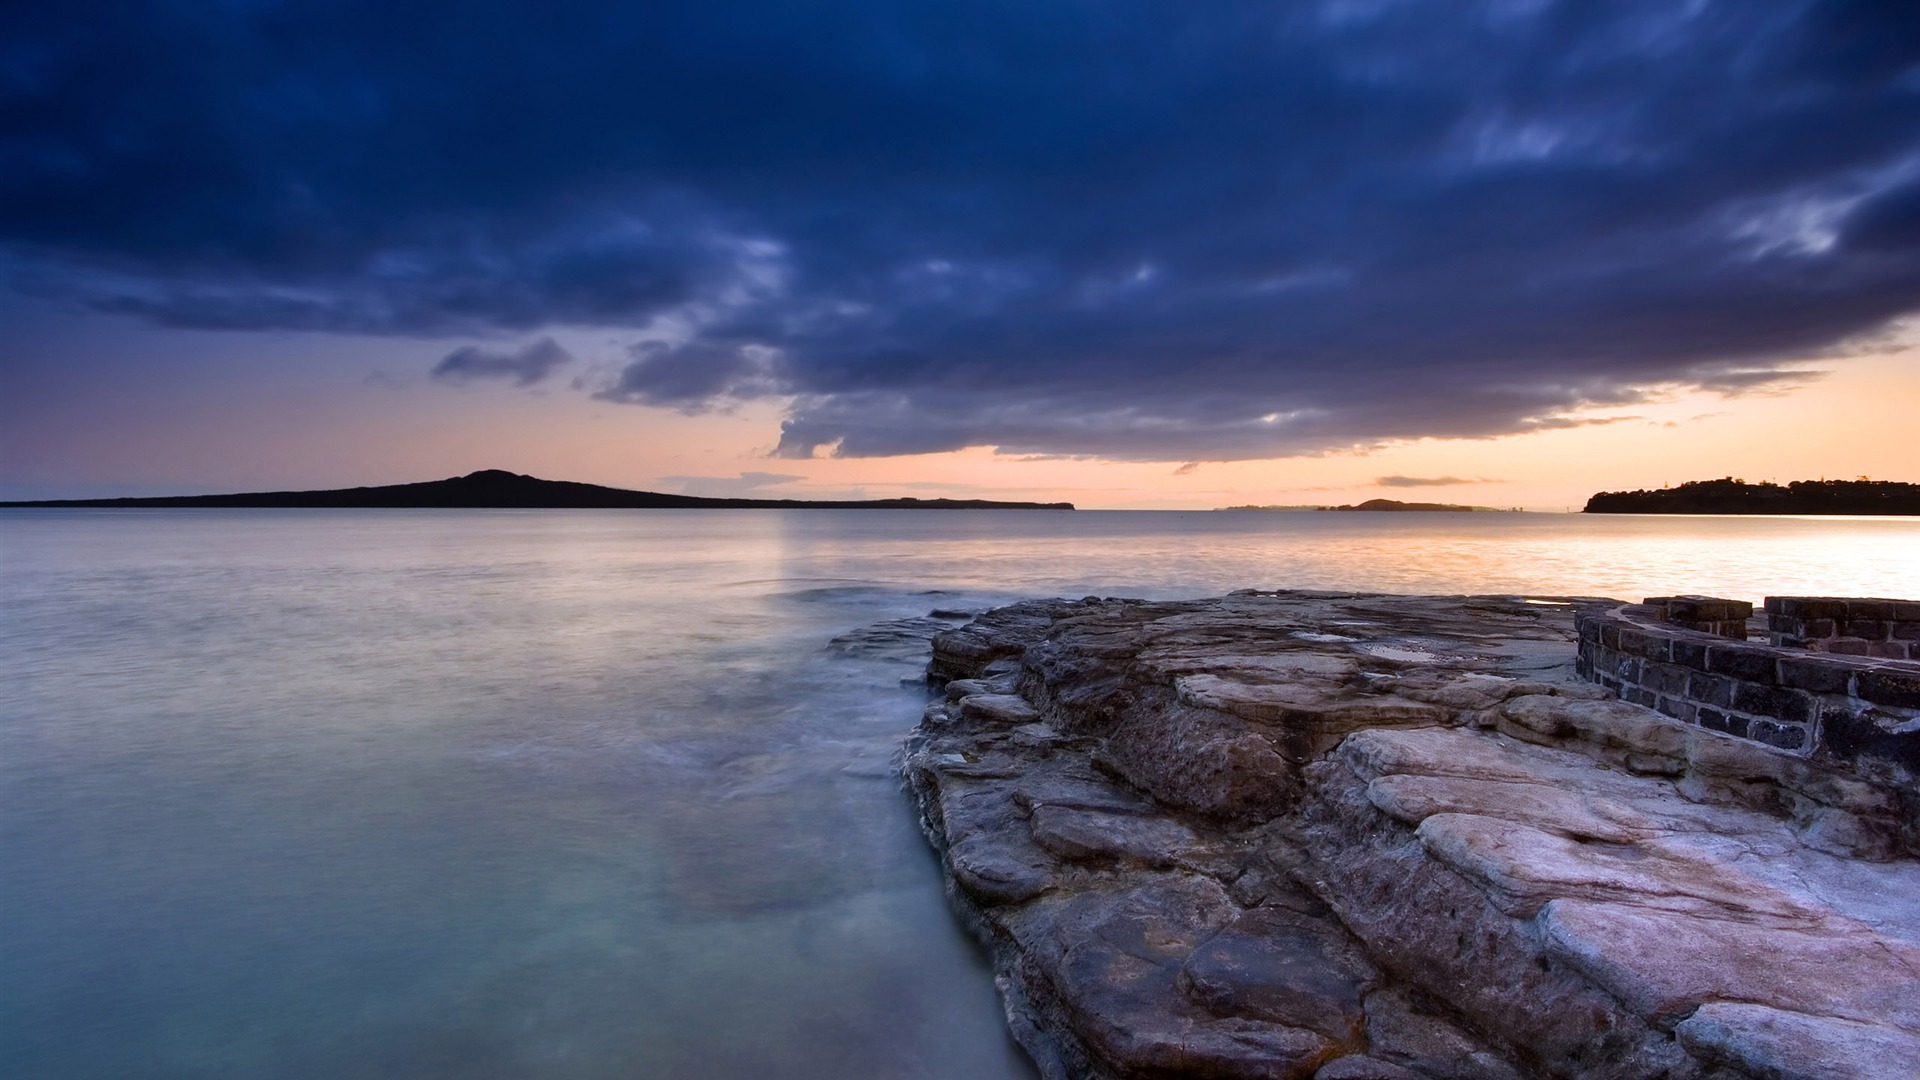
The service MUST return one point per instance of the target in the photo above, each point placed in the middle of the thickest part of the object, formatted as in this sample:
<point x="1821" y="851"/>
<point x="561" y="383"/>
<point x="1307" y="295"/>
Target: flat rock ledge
<point x="1356" y="837"/>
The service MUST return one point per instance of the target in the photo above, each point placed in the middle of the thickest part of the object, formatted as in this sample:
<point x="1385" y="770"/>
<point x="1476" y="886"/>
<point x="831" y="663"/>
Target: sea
<point x="594" y="794"/>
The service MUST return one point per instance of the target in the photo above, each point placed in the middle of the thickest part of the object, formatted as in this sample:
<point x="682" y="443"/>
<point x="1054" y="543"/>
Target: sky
<point x="1129" y="254"/>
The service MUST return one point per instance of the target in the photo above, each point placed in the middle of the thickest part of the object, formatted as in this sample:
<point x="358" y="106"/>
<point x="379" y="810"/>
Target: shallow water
<point x="591" y="794"/>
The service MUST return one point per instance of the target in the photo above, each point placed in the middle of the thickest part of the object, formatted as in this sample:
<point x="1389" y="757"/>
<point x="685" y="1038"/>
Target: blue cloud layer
<point x="1132" y="229"/>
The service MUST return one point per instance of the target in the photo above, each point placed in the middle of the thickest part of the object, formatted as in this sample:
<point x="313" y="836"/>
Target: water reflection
<point x="473" y="794"/>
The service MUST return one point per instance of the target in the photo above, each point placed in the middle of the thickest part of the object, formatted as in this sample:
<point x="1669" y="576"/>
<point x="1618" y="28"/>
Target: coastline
<point x="1358" y="837"/>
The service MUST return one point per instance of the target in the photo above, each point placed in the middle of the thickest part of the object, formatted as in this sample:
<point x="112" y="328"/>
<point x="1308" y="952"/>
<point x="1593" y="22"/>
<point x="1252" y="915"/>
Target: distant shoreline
<point x="1878" y="498"/>
<point x="495" y="489"/>
<point x="1388" y="506"/>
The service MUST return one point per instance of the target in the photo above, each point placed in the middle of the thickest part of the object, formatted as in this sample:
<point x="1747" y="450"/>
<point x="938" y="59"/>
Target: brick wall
<point x="1707" y="614"/>
<point x="1846" y="626"/>
<point x="1857" y="711"/>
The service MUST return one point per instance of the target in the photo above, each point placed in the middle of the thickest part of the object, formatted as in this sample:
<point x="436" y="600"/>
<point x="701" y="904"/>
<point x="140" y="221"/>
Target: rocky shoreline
<point x="1354" y="837"/>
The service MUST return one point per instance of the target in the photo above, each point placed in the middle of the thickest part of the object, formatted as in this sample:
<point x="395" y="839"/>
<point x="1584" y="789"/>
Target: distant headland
<point x="1388" y="505"/>
<point x="1731" y="496"/>
<point x="500" y="490"/>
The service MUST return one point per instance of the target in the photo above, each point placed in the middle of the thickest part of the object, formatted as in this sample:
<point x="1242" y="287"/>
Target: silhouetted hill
<point x="1397" y="505"/>
<point x="497" y="489"/>
<point x="1730" y="496"/>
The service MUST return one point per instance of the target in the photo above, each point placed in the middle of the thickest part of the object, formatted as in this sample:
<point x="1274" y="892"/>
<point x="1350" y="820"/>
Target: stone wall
<point x="1861" y="713"/>
<point x="1847" y="626"/>
<point x="1707" y="614"/>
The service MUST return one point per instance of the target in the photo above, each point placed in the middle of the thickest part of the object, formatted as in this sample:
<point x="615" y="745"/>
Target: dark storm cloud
<point x="692" y="377"/>
<point x="524" y="366"/>
<point x="1127" y="229"/>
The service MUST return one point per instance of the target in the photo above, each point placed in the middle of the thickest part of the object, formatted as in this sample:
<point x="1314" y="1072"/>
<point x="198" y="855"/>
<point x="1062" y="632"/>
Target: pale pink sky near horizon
<point x="191" y="412"/>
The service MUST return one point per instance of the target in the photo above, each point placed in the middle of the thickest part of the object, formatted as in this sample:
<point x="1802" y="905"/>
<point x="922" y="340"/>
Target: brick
<point x="1784" y="736"/>
<point x="1610" y="634"/>
<point x="1886" y="686"/>
<point x="1679" y="709"/>
<point x="1768" y="702"/>
<point x="1904" y="631"/>
<point x="1691" y="654"/>
<point x="1907" y="610"/>
<point x="1814" y="674"/>
<point x="1809" y="607"/>
<point x="1664" y="678"/>
<point x="1702" y="608"/>
<point x="1890" y="650"/>
<point x="1786" y="641"/>
<point x="1844" y="647"/>
<point x="1633" y="642"/>
<point x="1866" y="629"/>
<point x="1746" y="662"/>
<point x="1710" y="689"/>
<point x="1639" y="696"/>
<point x="1870" y="609"/>
<point x="1817" y="628"/>
<point x="1715" y="720"/>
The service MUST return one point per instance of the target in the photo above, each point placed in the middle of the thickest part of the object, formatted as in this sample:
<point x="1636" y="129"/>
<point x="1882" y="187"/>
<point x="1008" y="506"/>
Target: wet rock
<point x="1350" y="837"/>
<point x="1665" y="964"/>
<point x="1036" y="737"/>
<point x="1417" y="1036"/>
<point x="1082" y="835"/>
<point x="1364" y="1067"/>
<point x="1279" y="965"/>
<point x="997" y="871"/>
<point x="1118" y="971"/>
<point x="1007" y="710"/>
<point x="959" y="688"/>
<point x="1772" y="1043"/>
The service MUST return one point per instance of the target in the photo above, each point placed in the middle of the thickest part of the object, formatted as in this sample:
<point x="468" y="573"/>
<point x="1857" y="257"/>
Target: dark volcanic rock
<point x="1317" y="835"/>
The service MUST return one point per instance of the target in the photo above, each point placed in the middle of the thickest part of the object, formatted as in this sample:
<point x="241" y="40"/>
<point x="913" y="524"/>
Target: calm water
<point x="589" y="794"/>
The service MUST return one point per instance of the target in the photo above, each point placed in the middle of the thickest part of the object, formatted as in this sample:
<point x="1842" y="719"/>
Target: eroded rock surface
<point x="1349" y="837"/>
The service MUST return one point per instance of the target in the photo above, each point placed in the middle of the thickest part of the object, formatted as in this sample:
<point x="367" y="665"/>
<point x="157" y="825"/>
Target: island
<point x="1730" y="496"/>
<point x="501" y="490"/>
<point x="1395" y="505"/>
<point x="1338" y="836"/>
<point x="1388" y="505"/>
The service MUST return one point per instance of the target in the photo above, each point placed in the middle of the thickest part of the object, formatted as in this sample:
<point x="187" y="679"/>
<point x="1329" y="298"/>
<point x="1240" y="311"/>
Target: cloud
<point x="746" y="485"/>
<point x="1430" y="481"/>
<point x="524" y="366"/>
<point x="1195" y="233"/>
<point x="692" y="377"/>
<point x="1766" y="381"/>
